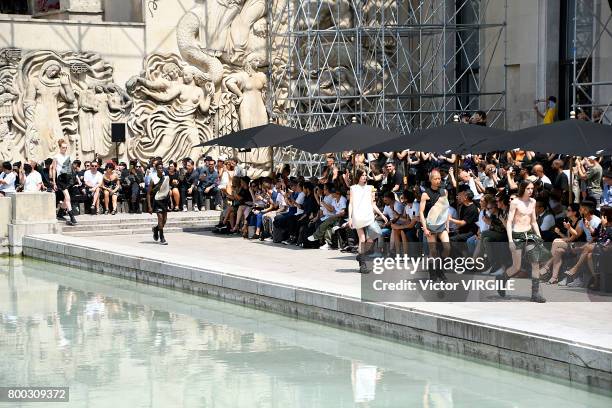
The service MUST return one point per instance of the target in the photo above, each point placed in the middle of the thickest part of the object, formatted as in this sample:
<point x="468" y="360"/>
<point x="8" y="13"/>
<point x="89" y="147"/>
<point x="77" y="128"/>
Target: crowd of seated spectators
<point x="312" y="213"/>
<point x="102" y="186"/>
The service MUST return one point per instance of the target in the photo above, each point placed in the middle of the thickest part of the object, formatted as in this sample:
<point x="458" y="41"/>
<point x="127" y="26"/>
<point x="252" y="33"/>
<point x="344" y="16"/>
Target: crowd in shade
<point x="550" y="209"/>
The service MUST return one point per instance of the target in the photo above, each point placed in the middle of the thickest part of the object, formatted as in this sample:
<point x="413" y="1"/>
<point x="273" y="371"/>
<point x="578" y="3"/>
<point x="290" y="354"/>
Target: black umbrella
<point x="258" y="136"/>
<point x="572" y="137"/>
<point x="453" y="137"/>
<point x="353" y="136"/>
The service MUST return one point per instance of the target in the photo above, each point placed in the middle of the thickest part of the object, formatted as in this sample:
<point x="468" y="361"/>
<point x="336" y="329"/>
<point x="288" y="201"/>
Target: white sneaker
<point x="311" y="238"/>
<point x="285" y="242"/>
<point x="325" y="247"/>
<point x="576" y="283"/>
<point x="486" y="271"/>
<point x="218" y="208"/>
<point x="335" y="228"/>
<point x="196" y="209"/>
<point x="563" y="282"/>
<point x="184" y="209"/>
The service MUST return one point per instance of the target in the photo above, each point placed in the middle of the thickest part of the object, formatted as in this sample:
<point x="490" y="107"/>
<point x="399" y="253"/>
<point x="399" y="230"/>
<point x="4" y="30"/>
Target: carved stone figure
<point x="243" y="25"/>
<point x="170" y="128"/>
<point x="324" y="14"/>
<point x="88" y="106"/>
<point x="7" y="96"/>
<point x="248" y="85"/>
<point x="43" y="126"/>
<point x="102" y="124"/>
<point x="202" y="35"/>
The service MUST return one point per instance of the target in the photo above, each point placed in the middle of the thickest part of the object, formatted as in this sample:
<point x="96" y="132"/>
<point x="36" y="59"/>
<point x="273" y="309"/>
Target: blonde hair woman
<point x="62" y="179"/>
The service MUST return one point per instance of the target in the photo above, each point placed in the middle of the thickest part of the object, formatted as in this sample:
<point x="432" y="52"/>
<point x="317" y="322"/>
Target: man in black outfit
<point x="468" y="216"/>
<point x="188" y="185"/>
<point x="394" y="179"/>
<point x="132" y="182"/>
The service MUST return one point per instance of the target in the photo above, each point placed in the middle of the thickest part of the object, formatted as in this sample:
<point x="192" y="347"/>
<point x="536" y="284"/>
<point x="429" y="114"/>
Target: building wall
<point x="121" y="44"/>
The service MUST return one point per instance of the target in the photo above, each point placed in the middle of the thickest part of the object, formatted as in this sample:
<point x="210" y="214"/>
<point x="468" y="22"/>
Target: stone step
<point x="137" y="231"/>
<point x="132" y="218"/>
<point x="137" y="225"/>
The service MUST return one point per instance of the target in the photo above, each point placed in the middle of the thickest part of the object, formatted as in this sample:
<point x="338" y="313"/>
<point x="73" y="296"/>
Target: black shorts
<point x="160" y="206"/>
<point x="65" y="181"/>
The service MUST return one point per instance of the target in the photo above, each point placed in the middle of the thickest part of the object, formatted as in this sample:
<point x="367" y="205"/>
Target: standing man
<point x="434" y="215"/>
<point x="550" y="115"/>
<point x="157" y="200"/>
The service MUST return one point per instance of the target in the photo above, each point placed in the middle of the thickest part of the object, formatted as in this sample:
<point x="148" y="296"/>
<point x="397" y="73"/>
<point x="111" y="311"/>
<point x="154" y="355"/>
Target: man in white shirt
<point x="333" y="206"/>
<point x="30" y="178"/>
<point x="538" y="171"/>
<point x="93" y="180"/>
<point x="7" y="179"/>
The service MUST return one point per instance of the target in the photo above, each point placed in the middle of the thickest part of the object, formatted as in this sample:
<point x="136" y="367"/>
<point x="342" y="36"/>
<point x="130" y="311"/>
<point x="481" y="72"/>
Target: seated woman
<point x="262" y="204"/>
<point x="406" y="224"/>
<point x="244" y="199"/>
<point x="175" y="194"/>
<point x="110" y="187"/>
<point x="571" y="234"/>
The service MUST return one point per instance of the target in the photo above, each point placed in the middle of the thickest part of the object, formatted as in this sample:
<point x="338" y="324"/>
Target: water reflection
<point x="119" y="343"/>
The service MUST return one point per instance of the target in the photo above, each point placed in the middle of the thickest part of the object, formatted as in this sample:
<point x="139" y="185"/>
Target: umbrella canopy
<point x="353" y="136"/>
<point x="453" y="137"/>
<point x="572" y="137"/>
<point x="258" y="136"/>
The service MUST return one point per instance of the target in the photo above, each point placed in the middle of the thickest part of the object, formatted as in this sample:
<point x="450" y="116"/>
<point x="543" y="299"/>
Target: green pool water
<point x="117" y="343"/>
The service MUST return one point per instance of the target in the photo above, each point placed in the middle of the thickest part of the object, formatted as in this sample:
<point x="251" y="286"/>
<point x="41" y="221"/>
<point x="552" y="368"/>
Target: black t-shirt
<point x="245" y="196"/>
<point x="392" y="181"/>
<point x="469" y="214"/>
<point x="561" y="182"/>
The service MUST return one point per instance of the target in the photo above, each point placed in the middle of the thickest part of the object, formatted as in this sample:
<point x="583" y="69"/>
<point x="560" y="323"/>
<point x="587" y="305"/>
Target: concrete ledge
<point x="542" y="355"/>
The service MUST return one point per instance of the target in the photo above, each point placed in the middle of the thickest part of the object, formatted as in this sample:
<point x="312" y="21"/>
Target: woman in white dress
<point x="362" y="207"/>
<point x="62" y="178"/>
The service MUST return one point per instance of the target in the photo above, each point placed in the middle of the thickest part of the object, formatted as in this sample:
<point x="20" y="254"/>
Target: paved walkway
<point x="579" y="321"/>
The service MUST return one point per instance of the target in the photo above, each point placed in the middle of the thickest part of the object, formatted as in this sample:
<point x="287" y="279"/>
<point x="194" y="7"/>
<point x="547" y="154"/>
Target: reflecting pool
<point x="117" y="343"/>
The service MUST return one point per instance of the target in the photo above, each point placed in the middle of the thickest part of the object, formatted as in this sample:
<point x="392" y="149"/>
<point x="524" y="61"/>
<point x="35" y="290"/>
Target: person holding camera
<point x="550" y="114"/>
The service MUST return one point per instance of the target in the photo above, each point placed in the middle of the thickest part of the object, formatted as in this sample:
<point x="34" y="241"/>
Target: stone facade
<point x="187" y="74"/>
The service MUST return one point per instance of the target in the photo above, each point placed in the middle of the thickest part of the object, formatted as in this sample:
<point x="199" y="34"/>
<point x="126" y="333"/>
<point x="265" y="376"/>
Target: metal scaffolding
<point x="592" y="53"/>
<point x="396" y="64"/>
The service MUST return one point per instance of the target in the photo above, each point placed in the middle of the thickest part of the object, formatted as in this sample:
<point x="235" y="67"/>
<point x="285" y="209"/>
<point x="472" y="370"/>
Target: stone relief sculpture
<point x="324" y="14"/>
<point x="88" y="106"/>
<point x="50" y="89"/>
<point x="243" y="26"/>
<point x="7" y="96"/>
<point x="172" y="110"/>
<point x="248" y="86"/>
<point x="42" y="111"/>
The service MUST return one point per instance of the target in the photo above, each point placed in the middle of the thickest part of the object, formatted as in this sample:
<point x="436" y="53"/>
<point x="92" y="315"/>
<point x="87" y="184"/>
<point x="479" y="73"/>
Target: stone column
<point x="31" y="213"/>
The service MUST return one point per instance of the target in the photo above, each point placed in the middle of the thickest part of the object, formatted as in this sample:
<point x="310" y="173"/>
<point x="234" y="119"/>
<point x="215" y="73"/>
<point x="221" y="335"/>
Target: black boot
<point x="72" y="220"/>
<point x="61" y="214"/>
<point x="441" y="275"/>
<point x="536" y="296"/>
<point x="162" y="240"/>
<point x="155" y="233"/>
<point x="504" y="279"/>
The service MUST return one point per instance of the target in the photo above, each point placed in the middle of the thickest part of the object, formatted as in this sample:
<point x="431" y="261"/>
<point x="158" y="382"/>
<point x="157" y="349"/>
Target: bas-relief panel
<point x="214" y="84"/>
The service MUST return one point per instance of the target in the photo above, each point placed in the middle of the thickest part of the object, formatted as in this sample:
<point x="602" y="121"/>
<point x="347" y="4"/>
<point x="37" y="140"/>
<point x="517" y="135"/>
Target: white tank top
<point x="363" y="212"/>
